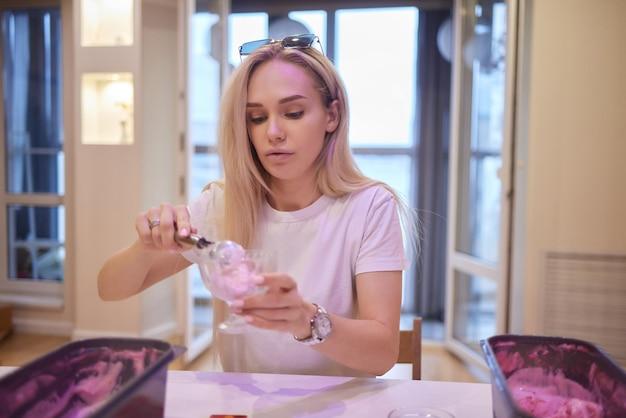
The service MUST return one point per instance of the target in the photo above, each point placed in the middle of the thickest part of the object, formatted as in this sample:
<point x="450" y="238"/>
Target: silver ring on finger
<point x="154" y="223"/>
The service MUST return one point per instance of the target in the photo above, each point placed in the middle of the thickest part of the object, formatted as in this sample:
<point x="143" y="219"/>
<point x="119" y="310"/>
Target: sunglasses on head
<point x="294" y="41"/>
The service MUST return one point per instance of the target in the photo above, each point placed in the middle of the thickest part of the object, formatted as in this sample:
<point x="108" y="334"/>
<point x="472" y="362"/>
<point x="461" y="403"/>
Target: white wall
<point x="571" y="142"/>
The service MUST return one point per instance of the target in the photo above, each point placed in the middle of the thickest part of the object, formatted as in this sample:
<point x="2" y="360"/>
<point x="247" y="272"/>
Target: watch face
<point x="323" y="326"/>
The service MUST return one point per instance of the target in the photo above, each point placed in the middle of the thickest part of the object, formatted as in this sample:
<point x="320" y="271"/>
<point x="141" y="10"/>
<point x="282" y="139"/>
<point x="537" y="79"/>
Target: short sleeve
<point x="206" y="214"/>
<point x="382" y="247"/>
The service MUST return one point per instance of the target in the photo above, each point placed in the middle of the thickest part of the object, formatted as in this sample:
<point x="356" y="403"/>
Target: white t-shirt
<point x="323" y="247"/>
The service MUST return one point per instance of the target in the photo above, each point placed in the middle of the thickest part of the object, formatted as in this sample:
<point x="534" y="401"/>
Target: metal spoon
<point x="196" y="240"/>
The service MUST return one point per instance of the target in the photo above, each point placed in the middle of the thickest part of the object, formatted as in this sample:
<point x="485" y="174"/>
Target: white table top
<point x="200" y="394"/>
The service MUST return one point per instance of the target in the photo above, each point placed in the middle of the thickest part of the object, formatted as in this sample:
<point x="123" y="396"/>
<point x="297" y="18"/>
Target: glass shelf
<point x="107" y="108"/>
<point x="106" y="23"/>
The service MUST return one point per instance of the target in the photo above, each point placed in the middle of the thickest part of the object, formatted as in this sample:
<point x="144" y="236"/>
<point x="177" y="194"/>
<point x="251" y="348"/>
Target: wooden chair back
<point x="411" y="348"/>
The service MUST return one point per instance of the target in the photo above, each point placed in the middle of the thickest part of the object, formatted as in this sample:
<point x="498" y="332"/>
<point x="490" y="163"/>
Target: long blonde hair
<point x="246" y="181"/>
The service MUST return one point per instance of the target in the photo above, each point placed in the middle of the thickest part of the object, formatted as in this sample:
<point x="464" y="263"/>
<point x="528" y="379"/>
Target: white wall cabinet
<point x="127" y="156"/>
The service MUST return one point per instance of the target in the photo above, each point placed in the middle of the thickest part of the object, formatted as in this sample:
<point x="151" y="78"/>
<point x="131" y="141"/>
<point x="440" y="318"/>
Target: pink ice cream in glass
<point x="227" y="272"/>
<point x="232" y="273"/>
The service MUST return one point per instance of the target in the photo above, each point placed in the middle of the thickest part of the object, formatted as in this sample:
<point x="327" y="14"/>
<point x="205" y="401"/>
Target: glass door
<point x="480" y="186"/>
<point x="205" y="62"/>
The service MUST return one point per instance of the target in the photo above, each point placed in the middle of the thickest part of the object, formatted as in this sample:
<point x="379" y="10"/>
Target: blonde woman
<point x="291" y="187"/>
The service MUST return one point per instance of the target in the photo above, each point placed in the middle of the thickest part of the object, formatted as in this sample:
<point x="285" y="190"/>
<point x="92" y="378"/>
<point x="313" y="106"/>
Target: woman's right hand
<point x="158" y="226"/>
<point x="154" y="256"/>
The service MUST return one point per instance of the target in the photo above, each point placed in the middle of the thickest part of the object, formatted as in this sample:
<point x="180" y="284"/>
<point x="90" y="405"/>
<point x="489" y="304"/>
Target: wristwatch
<point x="321" y="327"/>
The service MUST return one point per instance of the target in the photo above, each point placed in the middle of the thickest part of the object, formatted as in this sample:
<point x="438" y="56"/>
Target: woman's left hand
<point x="280" y="308"/>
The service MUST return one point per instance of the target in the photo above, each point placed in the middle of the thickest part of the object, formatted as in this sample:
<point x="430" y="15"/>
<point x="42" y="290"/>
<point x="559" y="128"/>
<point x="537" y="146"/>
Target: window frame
<point x="32" y="292"/>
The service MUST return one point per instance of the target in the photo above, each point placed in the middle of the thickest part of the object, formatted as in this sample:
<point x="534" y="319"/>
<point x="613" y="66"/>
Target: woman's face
<point x="286" y="120"/>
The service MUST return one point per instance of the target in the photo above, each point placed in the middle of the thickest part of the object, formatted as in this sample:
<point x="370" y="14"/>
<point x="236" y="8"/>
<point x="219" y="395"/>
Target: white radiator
<point x="586" y="299"/>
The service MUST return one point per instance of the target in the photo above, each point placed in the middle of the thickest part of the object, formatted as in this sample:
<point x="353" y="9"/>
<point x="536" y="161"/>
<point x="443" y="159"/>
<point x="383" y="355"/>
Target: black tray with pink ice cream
<point x="553" y="377"/>
<point x="105" y="377"/>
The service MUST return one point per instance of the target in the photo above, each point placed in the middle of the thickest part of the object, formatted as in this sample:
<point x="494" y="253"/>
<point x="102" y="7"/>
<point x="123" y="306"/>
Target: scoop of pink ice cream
<point x="229" y="284"/>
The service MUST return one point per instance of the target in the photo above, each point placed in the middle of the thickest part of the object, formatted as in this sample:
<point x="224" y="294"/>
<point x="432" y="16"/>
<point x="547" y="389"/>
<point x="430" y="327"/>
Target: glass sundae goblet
<point x="229" y="272"/>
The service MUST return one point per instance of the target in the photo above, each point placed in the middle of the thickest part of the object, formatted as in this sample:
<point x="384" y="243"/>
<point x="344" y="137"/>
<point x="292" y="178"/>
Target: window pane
<point x="205" y="168"/>
<point x="244" y="27"/>
<point x="315" y="21"/>
<point x="31" y="47"/>
<point x="481" y="133"/>
<point x="479" y="232"/>
<point x="395" y="170"/>
<point x="36" y="242"/>
<point x="379" y="70"/>
<point x="474" y="309"/>
<point x="36" y="173"/>
<point x="204" y="80"/>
